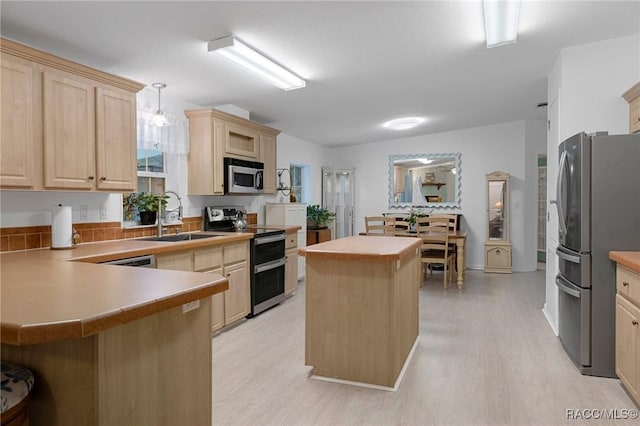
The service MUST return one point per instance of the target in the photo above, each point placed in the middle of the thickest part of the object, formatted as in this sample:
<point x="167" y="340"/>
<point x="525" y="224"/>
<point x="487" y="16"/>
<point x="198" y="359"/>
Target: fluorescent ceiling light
<point x="241" y="54"/>
<point x="404" y="123"/>
<point x="501" y="21"/>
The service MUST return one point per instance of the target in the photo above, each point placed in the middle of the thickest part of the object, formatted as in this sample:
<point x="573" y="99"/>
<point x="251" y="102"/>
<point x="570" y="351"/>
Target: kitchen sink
<point x="180" y="237"/>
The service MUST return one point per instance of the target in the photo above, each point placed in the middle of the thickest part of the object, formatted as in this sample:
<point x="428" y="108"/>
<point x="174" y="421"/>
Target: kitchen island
<point x="361" y="309"/>
<point x="110" y="345"/>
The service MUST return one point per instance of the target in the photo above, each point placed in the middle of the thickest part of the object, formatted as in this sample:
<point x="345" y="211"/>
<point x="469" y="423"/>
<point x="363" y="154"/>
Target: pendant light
<point x="159" y="119"/>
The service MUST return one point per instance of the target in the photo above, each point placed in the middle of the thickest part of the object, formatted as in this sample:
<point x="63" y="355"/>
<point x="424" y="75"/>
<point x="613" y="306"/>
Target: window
<point x="300" y="181"/>
<point x="151" y="171"/>
<point x="151" y="178"/>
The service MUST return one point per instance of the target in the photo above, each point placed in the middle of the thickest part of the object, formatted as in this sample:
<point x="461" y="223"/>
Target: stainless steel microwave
<point x="243" y="177"/>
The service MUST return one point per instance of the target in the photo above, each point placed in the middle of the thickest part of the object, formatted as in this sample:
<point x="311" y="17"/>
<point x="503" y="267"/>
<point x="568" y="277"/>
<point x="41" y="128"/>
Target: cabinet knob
<point x="498" y="251"/>
<point x="229" y="275"/>
<point x="103" y="178"/>
<point x="91" y="177"/>
<point x="634" y="322"/>
<point x="625" y="284"/>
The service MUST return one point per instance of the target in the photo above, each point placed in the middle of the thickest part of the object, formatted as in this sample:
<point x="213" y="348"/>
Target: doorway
<point x="337" y="196"/>
<point x="542" y="209"/>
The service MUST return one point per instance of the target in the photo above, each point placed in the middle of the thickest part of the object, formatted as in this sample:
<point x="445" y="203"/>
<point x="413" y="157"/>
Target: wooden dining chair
<point x="435" y="250"/>
<point x="452" y="224"/>
<point x="379" y="225"/>
<point x="438" y="222"/>
<point x="402" y="226"/>
<point x="452" y="220"/>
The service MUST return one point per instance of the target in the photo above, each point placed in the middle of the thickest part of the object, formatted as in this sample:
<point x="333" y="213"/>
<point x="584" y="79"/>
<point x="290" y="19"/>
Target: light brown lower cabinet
<point x="232" y="262"/>
<point x="291" y="267"/>
<point x="628" y="330"/>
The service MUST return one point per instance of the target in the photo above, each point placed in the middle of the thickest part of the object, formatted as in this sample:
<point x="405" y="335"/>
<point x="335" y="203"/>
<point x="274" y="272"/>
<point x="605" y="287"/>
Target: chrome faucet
<point x="179" y="208"/>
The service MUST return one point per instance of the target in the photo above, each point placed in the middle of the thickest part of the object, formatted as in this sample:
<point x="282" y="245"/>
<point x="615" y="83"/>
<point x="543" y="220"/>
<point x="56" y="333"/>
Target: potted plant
<point x="129" y="206"/>
<point x="148" y="207"/>
<point x="318" y="217"/>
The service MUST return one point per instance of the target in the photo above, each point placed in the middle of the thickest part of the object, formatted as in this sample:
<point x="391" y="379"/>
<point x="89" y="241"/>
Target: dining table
<point x="456" y="237"/>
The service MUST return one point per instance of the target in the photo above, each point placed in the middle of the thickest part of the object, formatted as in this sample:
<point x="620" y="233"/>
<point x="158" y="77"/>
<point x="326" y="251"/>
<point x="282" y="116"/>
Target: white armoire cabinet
<point x="290" y="214"/>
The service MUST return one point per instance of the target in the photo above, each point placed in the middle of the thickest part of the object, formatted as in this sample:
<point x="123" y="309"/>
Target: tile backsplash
<point x="32" y="237"/>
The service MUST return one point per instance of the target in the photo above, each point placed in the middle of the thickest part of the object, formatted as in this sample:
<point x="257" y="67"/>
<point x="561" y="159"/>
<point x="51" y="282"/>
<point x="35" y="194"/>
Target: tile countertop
<point x="630" y="259"/>
<point x="53" y="295"/>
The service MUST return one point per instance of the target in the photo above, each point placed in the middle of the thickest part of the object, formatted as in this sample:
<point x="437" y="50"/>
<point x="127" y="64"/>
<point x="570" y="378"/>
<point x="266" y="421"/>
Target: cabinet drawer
<point x="207" y="258"/>
<point x="182" y="261"/>
<point x="634" y="115"/>
<point x="234" y="253"/>
<point x="291" y="241"/>
<point x="628" y="283"/>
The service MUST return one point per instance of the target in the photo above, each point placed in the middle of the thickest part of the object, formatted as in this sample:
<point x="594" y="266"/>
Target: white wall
<point x="499" y="147"/>
<point x="587" y="83"/>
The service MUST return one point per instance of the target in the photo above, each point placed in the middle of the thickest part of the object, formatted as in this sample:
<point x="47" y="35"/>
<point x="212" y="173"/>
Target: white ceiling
<point x="365" y="62"/>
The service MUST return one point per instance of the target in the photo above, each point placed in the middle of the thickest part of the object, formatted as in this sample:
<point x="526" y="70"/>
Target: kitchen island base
<point x="368" y="385"/>
<point x="361" y="308"/>
<point x="153" y="371"/>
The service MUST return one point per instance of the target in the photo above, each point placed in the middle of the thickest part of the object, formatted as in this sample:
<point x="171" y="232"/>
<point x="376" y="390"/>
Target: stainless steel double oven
<point x="267" y="263"/>
<point x="267" y="258"/>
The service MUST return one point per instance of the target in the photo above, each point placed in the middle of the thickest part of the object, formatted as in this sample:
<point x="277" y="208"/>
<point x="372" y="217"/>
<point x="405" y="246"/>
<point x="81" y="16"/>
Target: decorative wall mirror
<point x="425" y="180"/>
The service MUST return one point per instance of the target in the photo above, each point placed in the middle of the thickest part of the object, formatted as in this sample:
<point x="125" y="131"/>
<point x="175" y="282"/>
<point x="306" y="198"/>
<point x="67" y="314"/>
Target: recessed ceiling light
<point x="404" y="123"/>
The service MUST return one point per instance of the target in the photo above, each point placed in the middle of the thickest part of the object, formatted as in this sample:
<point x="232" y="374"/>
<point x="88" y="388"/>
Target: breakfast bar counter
<point x="361" y="309"/>
<point x="109" y="345"/>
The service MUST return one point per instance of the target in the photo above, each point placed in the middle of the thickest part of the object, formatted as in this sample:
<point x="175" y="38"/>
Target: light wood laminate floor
<point x="486" y="356"/>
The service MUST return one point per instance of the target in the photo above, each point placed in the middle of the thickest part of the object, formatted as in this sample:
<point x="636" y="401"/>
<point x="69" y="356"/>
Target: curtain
<point x="173" y="139"/>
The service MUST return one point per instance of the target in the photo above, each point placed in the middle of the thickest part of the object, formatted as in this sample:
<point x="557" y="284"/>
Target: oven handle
<point x="567" y="287"/>
<point x="270" y="265"/>
<point x="267" y="240"/>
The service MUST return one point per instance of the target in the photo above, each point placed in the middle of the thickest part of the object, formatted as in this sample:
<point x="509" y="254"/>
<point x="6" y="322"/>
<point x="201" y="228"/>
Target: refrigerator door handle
<point x="567" y="256"/>
<point x="566" y="287"/>
<point x="558" y="203"/>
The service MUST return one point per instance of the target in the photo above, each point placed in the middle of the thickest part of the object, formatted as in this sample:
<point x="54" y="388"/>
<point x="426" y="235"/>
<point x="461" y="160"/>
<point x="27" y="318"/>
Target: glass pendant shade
<point x="159" y="119"/>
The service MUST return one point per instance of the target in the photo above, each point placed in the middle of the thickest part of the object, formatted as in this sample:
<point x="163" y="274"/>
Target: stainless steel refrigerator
<point x="598" y="204"/>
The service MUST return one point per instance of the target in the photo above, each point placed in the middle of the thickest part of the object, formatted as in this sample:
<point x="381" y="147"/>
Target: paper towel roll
<point x="61" y="227"/>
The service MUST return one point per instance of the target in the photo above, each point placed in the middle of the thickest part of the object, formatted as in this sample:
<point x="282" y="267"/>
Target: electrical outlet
<point x="84" y="212"/>
<point x="190" y="306"/>
<point x="103" y="211"/>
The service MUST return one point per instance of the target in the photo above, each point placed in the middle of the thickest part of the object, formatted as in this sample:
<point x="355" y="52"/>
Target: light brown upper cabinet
<point x="69" y="134"/>
<point x="214" y="135"/>
<point x="242" y="141"/>
<point x="17" y="168"/>
<point x="633" y="97"/>
<point x="64" y="125"/>
<point x="268" y="155"/>
<point x="116" y="140"/>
